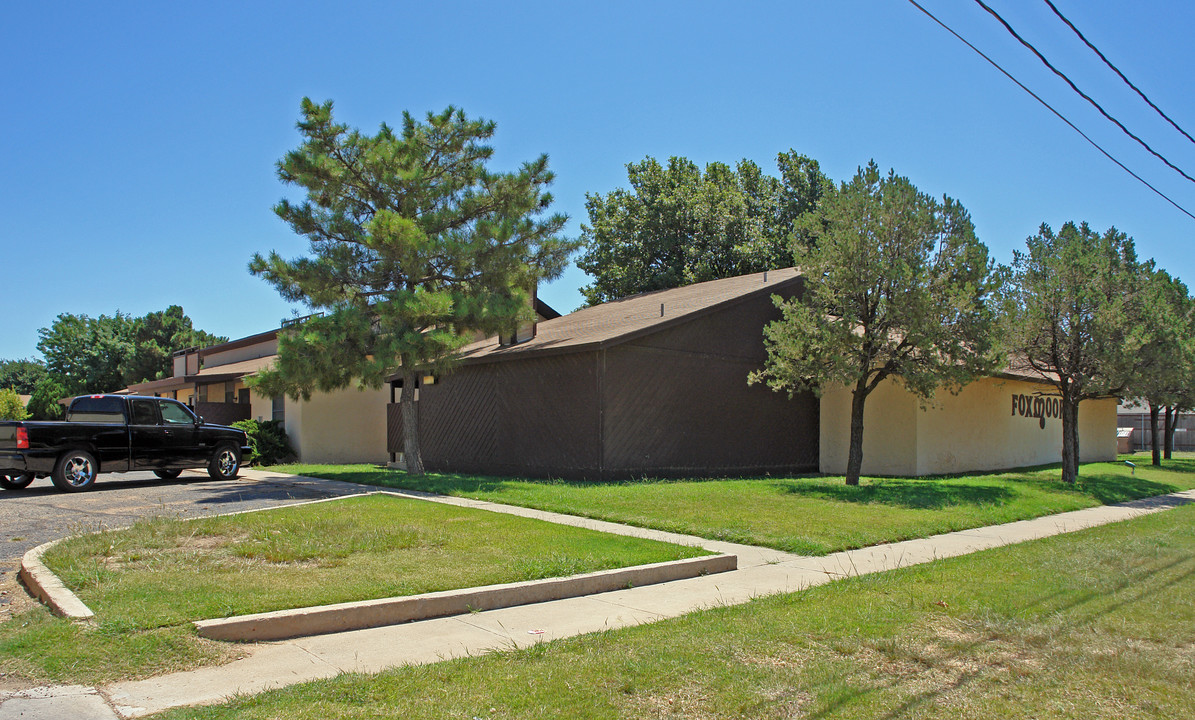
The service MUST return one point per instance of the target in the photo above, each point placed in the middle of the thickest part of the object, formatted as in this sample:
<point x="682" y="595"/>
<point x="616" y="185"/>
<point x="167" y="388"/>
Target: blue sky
<point x="140" y="138"/>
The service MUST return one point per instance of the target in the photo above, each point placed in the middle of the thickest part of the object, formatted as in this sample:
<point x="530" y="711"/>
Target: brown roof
<point x="219" y="373"/>
<point x="1018" y="368"/>
<point x="621" y="320"/>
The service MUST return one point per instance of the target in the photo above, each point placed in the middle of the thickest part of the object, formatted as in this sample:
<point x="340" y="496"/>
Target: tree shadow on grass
<point x="1109" y="488"/>
<point x="915" y="494"/>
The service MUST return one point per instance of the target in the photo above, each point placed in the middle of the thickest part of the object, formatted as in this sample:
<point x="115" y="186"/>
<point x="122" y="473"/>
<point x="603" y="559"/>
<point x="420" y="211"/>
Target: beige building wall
<point x="1097" y="430"/>
<point x="260" y="406"/>
<point x="980" y="428"/>
<point x="345" y="426"/>
<point x="889" y="431"/>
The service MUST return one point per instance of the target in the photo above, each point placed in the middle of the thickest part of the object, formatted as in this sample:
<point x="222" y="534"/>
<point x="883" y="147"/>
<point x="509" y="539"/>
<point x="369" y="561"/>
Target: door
<point x="146" y="435"/>
<point x="180" y="449"/>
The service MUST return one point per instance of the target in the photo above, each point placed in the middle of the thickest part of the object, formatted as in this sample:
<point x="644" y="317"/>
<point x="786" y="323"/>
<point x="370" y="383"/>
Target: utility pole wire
<point x="1049" y="107"/>
<point x="1117" y="71"/>
<point x="1082" y="94"/>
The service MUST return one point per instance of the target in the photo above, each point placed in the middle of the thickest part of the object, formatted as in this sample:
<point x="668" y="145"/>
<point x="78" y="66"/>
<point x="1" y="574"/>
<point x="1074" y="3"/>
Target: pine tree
<point x="897" y="287"/>
<point x="415" y="245"/>
<point x="1073" y="312"/>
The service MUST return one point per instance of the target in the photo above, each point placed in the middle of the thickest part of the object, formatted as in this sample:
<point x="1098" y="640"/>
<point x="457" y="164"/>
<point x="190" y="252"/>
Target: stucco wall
<point x="339" y="427"/>
<point x="261" y="407"/>
<point x="889" y="431"/>
<point x="977" y="429"/>
<point x="1097" y="430"/>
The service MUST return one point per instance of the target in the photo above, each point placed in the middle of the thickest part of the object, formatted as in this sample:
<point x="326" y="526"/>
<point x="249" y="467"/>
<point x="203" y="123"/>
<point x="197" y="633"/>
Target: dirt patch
<point x="687" y="703"/>
<point x="14" y="598"/>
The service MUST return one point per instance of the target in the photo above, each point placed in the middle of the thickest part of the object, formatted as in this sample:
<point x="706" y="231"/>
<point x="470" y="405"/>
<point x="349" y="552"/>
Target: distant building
<point x="1132" y="417"/>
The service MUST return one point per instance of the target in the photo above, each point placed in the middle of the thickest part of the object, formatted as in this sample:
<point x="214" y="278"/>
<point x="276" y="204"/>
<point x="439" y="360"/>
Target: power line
<point x="1051" y="109"/>
<point x="1082" y="94"/>
<point x="1117" y="71"/>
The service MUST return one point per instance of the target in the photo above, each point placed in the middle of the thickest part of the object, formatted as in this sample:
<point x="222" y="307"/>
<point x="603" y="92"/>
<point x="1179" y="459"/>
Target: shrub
<point x="268" y="441"/>
<point x="44" y="404"/>
<point x="11" y="407"/>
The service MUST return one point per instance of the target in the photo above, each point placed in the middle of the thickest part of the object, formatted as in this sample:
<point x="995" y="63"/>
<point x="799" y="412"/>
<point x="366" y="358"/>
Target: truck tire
<point x="168" y="474"/>
<point x="75" y="471"/>
<point x="16" y="482"/>
<point x="225" y="463"/>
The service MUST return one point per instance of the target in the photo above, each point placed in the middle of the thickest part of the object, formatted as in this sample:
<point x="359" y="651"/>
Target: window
<point x="97" y="409"/>
<point x="279" y="408"/>
<point x="144" y="413"/>
<point x="175" y="414"/>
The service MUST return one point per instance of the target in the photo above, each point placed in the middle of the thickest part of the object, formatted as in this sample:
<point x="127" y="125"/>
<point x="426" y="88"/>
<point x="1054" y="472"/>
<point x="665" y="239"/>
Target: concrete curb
<point x="341" y="617"/>
<point x="46" y="586"/>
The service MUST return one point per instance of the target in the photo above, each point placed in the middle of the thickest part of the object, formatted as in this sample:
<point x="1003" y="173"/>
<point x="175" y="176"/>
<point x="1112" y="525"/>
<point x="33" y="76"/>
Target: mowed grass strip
<point x="147" y="583"/>
<point x="1097" y="624"/>
<point x="812" y="515"/>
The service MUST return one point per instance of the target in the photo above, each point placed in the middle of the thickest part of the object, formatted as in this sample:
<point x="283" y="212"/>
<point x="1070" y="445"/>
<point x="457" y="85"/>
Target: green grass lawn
<point x="148" y="582"/>
<point x="1095" y="624"/>
<point x="807" y="515"/>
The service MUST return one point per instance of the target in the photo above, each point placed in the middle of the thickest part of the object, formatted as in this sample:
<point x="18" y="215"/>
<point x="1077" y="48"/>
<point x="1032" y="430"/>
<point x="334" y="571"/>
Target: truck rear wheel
<point x="75" y="471"/>
<point x="225" y="463"/>
<point x="16" y="482"/>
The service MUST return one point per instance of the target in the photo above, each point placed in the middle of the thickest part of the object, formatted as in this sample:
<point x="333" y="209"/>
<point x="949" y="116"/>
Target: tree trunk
<point x="1171" y="424"/>
<point x="1155" y="440"/>
<point x="854" y="461"/>
<point x="1070" y="439"/>
<point x="410" y="424"/>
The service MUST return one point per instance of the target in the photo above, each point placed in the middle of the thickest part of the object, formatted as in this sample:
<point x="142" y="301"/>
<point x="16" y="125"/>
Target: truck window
<point x="175" y="414"/>
<point x="100" y="409"/>
<point x="144" y="413"/>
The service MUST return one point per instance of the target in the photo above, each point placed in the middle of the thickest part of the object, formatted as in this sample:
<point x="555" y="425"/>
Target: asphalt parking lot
<point x="41" y="513"/>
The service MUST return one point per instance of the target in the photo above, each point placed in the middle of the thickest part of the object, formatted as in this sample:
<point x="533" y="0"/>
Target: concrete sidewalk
<point x="761" y="572"/>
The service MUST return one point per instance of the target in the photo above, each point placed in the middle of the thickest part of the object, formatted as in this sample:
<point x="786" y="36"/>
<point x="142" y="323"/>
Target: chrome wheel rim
<point x="79" y="471"/>
<point x="227" y="462"/>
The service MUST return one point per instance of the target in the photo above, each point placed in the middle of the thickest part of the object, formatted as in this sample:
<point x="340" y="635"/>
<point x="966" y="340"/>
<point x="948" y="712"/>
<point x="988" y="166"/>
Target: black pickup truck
<point x="117" y="433"/>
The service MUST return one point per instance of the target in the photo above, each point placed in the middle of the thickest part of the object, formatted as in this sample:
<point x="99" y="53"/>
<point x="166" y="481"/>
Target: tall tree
<point x="1165" y="361"/>
<point x="155" y="337"/>
<point x="85" y="354"/>
<point x="677" y="225"/>
<point x="415" y="245"/>
<point x="897" y="287"/>
<point x="1072" y="312"/>
<point x="21" y="375"/>
<point x="94" y="355"/>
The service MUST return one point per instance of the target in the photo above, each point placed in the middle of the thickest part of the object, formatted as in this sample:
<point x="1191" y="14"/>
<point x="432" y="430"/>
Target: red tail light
<point x="22" y="439"/>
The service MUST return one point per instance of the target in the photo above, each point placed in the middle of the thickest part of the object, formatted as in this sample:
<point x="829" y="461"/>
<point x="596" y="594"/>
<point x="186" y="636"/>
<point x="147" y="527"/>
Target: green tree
<point x="11" y="405"/>
<point x="1072" y="312"/>
<point x="1166" y="358"/>
<point x="415" y="244"/>
<point x="154" y="340"/>
<point x="21" y="375"/>
<point x="106" y="353"/>
<point x="677" y="225"/>
<point x="897" y="287"/>
<point x="85" y="354"/>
